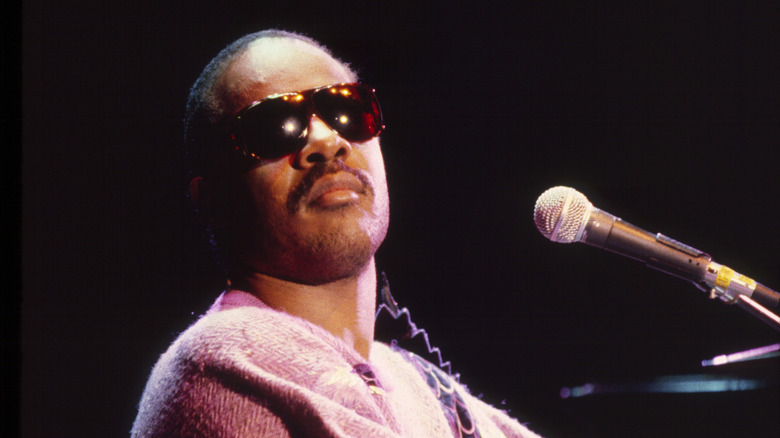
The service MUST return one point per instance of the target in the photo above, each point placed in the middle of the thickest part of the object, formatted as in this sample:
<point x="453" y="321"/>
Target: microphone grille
<point x="560" y="214"/>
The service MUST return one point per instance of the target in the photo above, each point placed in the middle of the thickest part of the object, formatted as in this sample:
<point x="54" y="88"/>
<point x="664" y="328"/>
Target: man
<point x="289" y="175"/>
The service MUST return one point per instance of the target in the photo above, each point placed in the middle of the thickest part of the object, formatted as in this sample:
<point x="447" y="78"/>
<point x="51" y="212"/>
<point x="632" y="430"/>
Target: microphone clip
<point x="747" y="304"/>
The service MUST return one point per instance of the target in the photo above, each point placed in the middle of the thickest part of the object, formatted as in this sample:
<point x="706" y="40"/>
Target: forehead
<point x="277" y="65"/>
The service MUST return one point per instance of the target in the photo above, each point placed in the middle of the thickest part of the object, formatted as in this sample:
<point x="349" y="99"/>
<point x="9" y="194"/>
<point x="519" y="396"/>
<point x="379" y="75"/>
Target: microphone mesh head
<point x="560" y="214"/>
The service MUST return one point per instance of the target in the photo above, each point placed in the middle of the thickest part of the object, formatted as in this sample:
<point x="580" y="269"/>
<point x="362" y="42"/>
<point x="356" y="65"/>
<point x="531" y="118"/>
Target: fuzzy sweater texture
<point x="246" y="370"/>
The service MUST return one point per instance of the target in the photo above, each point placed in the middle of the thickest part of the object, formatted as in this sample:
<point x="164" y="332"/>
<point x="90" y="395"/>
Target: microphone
<point x="565" y="215"/>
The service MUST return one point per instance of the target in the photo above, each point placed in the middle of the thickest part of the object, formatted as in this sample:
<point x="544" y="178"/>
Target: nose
<point x="323" y="144"/>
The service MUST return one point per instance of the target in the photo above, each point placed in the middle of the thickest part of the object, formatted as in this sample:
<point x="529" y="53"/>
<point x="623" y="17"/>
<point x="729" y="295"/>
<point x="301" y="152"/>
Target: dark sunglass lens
<point x="274" y="128"/>
<point x="352" y="111"/>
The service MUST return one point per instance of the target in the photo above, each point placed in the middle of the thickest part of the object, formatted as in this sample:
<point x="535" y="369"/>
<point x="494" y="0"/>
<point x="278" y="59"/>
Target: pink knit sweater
<point x="246" y="370"/>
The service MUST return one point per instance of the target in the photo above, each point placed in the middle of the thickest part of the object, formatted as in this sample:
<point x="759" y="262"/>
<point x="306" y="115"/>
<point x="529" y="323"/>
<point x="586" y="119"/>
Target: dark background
<point x="667" y="116"/>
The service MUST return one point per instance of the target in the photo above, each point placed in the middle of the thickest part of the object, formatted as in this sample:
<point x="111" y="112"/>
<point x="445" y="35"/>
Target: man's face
<point x="317" y="215"/>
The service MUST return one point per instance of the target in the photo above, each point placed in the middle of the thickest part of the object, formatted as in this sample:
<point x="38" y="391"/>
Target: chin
<point x="320" y="253"/>
<point x="335" y="258"/>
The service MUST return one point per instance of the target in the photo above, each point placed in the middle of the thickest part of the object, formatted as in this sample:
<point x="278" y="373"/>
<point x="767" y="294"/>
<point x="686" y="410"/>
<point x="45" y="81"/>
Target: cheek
<point x="380" y="180"/>
<point x="268" y="186"/>
<point x="370" y="158"/>
<point x="376" y="167"/>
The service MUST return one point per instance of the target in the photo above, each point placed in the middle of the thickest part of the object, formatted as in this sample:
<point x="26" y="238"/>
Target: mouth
<point x="333" y="185"/>
<point x="334" y="190"/>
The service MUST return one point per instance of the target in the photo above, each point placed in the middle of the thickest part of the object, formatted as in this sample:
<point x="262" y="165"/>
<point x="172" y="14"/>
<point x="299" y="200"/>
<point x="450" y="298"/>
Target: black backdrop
<point x="667" y="116"/>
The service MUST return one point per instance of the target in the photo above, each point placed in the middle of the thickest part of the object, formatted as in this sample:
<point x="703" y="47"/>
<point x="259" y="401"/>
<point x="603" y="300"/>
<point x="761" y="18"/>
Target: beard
<point x="342" y="248"/>
<point x="327" y="257"/>
<point x="312" y="245"/>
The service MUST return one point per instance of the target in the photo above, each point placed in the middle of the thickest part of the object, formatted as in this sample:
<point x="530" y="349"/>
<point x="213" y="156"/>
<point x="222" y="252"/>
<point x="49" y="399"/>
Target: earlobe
<point x="203" y="199"/>
<point x="200" y="193"/>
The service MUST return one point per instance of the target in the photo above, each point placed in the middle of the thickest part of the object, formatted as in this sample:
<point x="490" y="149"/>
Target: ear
<point x="202" y="195"/>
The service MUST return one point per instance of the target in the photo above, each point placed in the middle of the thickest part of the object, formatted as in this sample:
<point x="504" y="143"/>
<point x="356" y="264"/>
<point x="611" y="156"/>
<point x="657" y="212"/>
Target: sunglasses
<point x="279" y="124"/>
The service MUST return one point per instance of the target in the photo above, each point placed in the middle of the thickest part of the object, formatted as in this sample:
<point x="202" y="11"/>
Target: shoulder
<point x="248" y="371"/>
<point x="192" y="391"/>
<point x="239" y="330"/>
<point x="251" y="340"/>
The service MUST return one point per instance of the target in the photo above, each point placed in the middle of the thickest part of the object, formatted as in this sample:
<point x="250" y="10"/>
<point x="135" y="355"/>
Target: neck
<point x="345" y="307"/>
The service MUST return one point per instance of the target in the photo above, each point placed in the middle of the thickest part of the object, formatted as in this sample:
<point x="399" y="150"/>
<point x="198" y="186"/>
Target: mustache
<point x="318" y="171"/>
